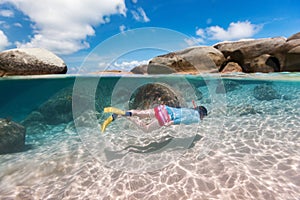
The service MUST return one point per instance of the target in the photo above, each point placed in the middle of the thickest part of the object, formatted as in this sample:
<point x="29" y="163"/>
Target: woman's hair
<point x="202" y="111"/>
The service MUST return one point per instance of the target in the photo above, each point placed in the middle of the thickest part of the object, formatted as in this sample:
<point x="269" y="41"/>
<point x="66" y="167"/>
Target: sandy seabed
<point x="254" y="156"/>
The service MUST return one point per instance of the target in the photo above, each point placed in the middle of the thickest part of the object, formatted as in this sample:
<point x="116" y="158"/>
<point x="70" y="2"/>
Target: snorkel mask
<point x="201" y="109"/>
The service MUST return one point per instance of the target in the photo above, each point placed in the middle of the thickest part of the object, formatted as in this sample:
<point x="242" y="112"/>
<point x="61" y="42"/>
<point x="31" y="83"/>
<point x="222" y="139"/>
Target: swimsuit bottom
<point x="162" y="115"/>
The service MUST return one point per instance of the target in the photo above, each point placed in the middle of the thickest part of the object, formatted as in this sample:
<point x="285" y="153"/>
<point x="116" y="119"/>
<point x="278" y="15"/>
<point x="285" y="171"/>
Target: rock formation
<point x="232" y="67"/>
<point x="292" y="61"/>
<point x="245" y="52"/>
<point x="258" y="55"/>
<point x="12" y="136"/>
<point x="225" y="86"/>
<point x="58" y="109"/>
<point x="30" y="61"/>
<point x="141" y="69"/>
<point x="265" y="92"/>
<point x="192" y="60"/>
<point x="153" y="94"/>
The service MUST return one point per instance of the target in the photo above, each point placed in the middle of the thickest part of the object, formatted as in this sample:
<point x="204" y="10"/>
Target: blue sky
<point x="74" y="28"/>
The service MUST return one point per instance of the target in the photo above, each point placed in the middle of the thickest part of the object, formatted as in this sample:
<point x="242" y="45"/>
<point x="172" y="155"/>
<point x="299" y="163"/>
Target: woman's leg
<point x="153" y="125"/>
<point x="143" y="113"/>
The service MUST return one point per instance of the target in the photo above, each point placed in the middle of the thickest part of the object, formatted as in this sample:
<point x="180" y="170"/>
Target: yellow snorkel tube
<point x="114" y="110"/>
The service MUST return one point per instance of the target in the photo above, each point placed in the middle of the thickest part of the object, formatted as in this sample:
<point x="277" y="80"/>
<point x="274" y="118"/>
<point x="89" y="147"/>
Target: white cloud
<point x="128" y="65"/>
<point x="63" y="25"/>
<point x="6" y="13"/>
<point x="3" y="41"/>
<point x="122" y="28"/>
<point x="18" y="25"/>
<point x="200" y="32"/>
<point x="134" y="1"/>
<point x="103" y="65"/>
<point x="192" y="41"/>
<point x="122" y="66"/>
<point x="4" y="25"/>
<point x="140" y="15"/>
<point x="236" y="30"/>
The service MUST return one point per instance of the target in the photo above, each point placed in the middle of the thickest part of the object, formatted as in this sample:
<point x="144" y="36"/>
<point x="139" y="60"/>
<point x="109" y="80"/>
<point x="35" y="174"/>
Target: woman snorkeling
<point x="161" y="115"/>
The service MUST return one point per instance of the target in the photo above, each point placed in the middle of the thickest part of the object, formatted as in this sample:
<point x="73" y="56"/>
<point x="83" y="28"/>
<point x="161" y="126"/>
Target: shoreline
<point x="238" y="75"/>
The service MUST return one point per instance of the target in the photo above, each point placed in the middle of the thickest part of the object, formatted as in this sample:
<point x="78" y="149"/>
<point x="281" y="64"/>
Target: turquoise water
<point x="247" y="148"/>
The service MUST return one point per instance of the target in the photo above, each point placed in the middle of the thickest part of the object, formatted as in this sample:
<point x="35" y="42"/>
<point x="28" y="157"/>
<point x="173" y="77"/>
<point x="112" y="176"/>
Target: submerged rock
<point x="56" y="110"/>
<point x="30" y="61"/>
<point x="153" y="94"/>
<point x="70" y="102"/>
<point x="12" y="136"/>
<point x="227" y="86"/>
<point x="265" y="92"/>
<point x="34" y="123"/>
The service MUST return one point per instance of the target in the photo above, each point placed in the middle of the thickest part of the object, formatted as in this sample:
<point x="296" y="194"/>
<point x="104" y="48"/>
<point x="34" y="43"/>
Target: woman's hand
<point x="169" y="123"/>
